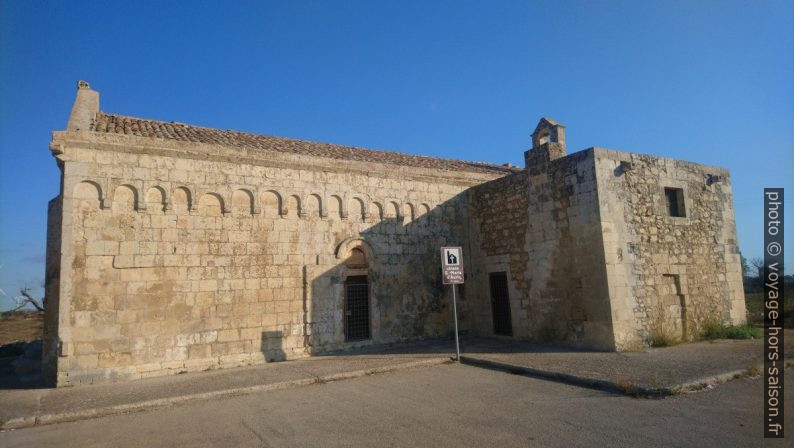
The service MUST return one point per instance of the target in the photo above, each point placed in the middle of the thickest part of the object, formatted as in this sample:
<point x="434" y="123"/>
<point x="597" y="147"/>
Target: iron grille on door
<point x="356" y="308"/>
<point x="500" y="304"/>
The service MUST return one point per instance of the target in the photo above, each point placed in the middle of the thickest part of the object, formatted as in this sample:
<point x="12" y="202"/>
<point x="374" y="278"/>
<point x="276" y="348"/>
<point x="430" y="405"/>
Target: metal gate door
<point x="500" y="304"/>
<point x="356" y="308"/>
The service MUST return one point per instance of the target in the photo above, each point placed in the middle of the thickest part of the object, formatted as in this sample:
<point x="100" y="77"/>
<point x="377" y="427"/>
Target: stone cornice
<point x="63" y="140"/>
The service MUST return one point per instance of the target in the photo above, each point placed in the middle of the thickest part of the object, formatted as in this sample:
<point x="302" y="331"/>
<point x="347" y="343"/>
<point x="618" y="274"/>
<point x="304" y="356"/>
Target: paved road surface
<point x="449" y="405"/>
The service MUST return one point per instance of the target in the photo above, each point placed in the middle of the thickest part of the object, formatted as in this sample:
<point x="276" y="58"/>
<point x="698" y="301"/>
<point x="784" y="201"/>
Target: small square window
<point x="675" y="202"/>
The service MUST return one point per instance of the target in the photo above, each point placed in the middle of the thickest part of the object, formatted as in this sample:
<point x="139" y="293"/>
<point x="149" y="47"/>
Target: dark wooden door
<point x="500" y="304"/>
<point x="356" y="308"/>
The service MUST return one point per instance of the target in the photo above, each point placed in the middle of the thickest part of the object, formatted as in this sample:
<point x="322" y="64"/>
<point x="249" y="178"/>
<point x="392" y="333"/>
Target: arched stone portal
<point x="356" y="255"/>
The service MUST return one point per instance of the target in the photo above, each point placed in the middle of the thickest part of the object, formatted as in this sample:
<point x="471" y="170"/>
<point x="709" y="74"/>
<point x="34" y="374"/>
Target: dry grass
<point x="627" y="387"/>
<point x="754" y="370"/>
<point x="663" y="336"/>
<point x="661" y="333"/>
<point x="21" y="326"/>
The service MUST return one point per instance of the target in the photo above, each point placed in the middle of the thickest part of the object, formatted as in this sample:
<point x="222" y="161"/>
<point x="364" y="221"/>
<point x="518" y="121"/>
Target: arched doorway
<point x="357" y="317"/>
<point x="357" y="298"/>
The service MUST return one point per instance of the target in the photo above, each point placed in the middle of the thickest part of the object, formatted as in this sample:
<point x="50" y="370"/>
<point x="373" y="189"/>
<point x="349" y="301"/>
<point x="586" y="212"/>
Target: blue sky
<point x="706" y="81"/>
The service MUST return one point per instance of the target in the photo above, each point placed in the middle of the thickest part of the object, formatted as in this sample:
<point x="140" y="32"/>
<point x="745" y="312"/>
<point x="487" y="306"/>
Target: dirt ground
<point x="755" y="309"/>
<point x="27" y="326"/>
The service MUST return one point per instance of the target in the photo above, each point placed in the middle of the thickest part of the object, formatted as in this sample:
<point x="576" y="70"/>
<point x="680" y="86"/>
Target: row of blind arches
<point x="270" y="203"/>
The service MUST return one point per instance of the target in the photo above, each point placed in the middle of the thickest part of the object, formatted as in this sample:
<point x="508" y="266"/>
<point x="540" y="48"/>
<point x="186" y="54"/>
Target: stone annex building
<point x="176" y="248"/>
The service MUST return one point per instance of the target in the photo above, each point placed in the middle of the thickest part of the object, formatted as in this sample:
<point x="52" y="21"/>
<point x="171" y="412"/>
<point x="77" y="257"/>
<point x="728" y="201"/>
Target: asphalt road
<point x="442" y="406"/>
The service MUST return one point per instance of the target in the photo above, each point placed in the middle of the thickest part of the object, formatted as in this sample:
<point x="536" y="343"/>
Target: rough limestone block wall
<point x="542" y="227"/>
<point x="407" y="298"/>
<point x="180" y="264"/>
<point x="499" y="222"/>
<point x="667" y="274"/>
<point x="568" y="292"/>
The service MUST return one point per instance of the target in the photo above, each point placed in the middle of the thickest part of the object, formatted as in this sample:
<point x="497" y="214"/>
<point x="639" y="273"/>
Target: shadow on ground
<point x="20" y="362"/>
<point x="20" y="365"/>
<point x="447" y="346"/>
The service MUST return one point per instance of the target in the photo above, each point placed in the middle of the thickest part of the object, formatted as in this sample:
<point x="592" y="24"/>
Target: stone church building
<point x="176" y="248"/>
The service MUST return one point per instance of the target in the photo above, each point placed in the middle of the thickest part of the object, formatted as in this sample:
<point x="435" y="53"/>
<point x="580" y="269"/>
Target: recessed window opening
<point x="675" y="202"/>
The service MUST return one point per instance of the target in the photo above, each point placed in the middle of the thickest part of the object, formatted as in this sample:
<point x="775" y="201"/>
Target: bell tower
<point x="548" y="143"/>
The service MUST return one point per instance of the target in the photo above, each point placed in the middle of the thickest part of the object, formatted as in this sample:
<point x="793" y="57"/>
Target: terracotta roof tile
<point x="120" y="124"/>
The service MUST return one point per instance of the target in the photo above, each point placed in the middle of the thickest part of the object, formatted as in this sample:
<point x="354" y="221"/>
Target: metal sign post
<point x="452" y="274"/>
<point x="455" y="315"/>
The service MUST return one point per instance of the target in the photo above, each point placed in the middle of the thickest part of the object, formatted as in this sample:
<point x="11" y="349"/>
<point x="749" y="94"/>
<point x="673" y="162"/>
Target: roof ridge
<point x="214" y="135"/>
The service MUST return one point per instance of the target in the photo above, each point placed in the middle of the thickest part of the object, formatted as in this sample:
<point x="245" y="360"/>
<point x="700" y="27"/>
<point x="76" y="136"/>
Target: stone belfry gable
<point x="548" y="131"/>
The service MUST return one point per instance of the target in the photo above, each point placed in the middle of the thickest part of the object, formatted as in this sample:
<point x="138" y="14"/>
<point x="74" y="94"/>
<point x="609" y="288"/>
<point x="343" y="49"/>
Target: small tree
<point x="758" y="264"/>
<point x="25" y="298"/>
